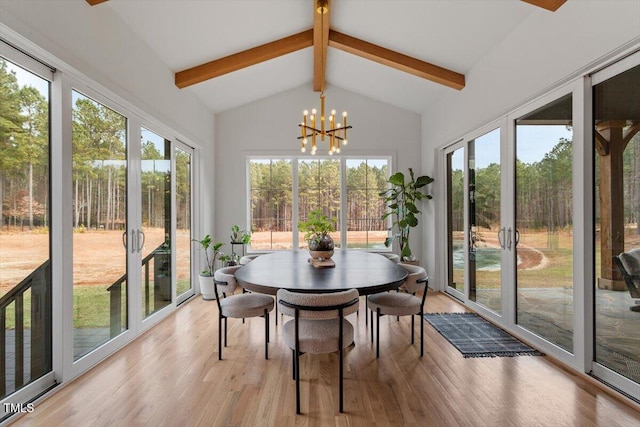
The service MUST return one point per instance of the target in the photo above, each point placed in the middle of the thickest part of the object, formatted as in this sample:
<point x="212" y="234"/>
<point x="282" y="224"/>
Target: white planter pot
<point x="207" y="288"/>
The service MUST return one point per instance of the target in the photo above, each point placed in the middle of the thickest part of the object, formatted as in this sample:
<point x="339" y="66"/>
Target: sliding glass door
<point x="101" y="235"/>
<point x="25" y="229"/>
<point x="184" y="220"/>
<point x="617" y="186"/>
<point x="487" y="236"/>
<point x="155" y="238"/>
<point x="456" y="221"/>
<point x="544" y="221"/>
<point x="510" y="213"/>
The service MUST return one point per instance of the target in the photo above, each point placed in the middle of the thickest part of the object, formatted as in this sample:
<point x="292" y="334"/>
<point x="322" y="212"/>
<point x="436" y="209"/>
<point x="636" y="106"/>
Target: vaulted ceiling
<point x="405" y="53"/>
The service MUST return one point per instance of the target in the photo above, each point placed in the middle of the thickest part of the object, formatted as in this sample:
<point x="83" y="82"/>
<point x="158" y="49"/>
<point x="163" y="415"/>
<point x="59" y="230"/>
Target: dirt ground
<point x="100" y="255"/>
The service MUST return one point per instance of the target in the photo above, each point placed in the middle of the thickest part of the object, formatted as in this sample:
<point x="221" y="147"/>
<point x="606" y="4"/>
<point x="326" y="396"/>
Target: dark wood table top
<point x="369" y="273"/>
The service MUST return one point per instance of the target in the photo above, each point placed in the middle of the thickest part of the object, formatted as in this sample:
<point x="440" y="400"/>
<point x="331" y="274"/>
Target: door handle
<point x="509" y="238"/>
<point x="501" y="237"/>
<point x="141" y="241"/>
<point x="124" y="239"/>
<point x="517" y="237"/>
<point x="133" y="241"/>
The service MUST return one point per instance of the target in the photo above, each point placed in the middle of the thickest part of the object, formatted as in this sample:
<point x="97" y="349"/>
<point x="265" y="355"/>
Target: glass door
<point x="184" y="210"/>
<point x="155" y="238"/>
<point x="487" y="236"/>
<point x="25" y="237"/>
<point x="616" y="125"/>
<point x="543" y="235"/>
<point x="456" y="222"/>
<point x="100" y="230"/>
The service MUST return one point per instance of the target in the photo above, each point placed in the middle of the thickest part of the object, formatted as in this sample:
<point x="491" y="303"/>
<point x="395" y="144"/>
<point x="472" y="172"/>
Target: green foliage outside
<point x="319" y="187"/>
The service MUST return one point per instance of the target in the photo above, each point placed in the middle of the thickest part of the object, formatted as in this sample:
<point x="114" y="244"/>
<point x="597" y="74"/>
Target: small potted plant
<point x="402" y="198"/>
<point x="212" y="253"/>
<point x="317" y="228"/>
<point x="230" y="260"/>
<point x="240" y="236"/>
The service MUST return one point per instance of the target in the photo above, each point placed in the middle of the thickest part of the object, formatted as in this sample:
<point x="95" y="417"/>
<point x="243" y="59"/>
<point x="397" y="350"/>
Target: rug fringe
<point x="504" y="354"/>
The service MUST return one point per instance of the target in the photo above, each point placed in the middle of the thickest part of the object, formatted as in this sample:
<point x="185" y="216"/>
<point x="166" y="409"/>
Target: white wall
<point x="269" y="126"/>
<point x="545" y="50"/>
<point x="95" y="42"/>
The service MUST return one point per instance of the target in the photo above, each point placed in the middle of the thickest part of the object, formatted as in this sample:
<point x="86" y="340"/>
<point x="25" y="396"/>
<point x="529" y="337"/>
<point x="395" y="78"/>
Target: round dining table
<point x="367" y="272"/>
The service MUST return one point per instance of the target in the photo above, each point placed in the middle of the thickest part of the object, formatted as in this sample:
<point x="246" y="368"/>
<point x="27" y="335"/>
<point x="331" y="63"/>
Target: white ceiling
<point x="452" y="34"/>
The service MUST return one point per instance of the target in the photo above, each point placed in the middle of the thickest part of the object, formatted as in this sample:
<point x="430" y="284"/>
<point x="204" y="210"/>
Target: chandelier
<point x="336" y="132"/>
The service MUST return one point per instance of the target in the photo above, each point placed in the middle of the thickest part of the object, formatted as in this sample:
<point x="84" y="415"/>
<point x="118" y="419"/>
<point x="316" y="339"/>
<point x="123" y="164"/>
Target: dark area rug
<point x="475" y="337"/>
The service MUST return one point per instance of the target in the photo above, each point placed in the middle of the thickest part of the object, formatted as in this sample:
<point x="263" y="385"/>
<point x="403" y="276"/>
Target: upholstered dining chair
<point x="239" y="306"/>
<point x="394" y="258"/>
<point x="391" y="257"/>
<point x="402" y="303"/>
<point x="247" y="259"/>
<point x="318" y="326"/>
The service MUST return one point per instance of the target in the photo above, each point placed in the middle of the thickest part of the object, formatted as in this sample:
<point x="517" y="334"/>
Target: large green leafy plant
<point x="402" y="199"/>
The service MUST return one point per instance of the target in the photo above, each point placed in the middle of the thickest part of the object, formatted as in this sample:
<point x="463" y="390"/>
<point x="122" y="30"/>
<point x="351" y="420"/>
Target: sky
<point x="26" y="78"/>
<point x="533" y="142"/>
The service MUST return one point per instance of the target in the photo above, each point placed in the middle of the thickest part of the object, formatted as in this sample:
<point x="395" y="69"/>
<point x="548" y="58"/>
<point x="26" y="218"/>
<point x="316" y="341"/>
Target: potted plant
<point x="230" y="260"/>
<point x="317" y="228"/>
<point x="240" y="236"/>
<point x="211" y="252"/>
<point x="401" y="199"/>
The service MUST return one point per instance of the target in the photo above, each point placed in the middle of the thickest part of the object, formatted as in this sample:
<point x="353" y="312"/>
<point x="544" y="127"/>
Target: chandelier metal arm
<point x="319" y="132"/>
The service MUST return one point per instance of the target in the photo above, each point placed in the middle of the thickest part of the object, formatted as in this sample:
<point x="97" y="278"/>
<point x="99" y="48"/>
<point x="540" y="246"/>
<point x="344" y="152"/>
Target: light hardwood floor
<point x="170" y="376"/>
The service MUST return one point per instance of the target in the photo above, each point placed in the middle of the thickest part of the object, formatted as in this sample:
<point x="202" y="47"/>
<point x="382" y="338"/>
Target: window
<point x="271" y="204"/>
<point x="345" y="189"/>
<point x="366" y="178"/>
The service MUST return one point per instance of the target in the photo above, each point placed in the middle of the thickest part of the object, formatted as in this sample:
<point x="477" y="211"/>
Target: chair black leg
<point x="293" y="364"/>
<point x="366" y="312"/>
<point x="276" y="313"/>
<point x="219" y="337"/>
<point x="377" y="332"/>
<point x="421" y="334"/>
<point x="225" y="331"/>
<point x="297" y="382"/>
<point x="266" y="334"/>
<point x="341" y="369"/>
<point x="412" y="329"/>
<point x="371" y="326"/>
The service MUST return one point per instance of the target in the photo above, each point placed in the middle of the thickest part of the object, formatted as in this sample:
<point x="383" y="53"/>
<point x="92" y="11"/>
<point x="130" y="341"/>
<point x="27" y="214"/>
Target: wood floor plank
<point x="170" y="376"/>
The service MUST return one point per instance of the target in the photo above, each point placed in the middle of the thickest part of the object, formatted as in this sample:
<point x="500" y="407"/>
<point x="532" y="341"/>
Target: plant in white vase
<point x="212" y="253"/>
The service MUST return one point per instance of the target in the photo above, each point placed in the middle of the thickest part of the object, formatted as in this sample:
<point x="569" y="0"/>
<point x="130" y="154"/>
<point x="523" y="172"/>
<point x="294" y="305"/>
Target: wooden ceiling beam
<point x="396" y="60"/>
<point x="551" y="5"/>
<point x="244" y="59"/>
<point x="96" y="2"/>
<point x="320" y="43"/>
